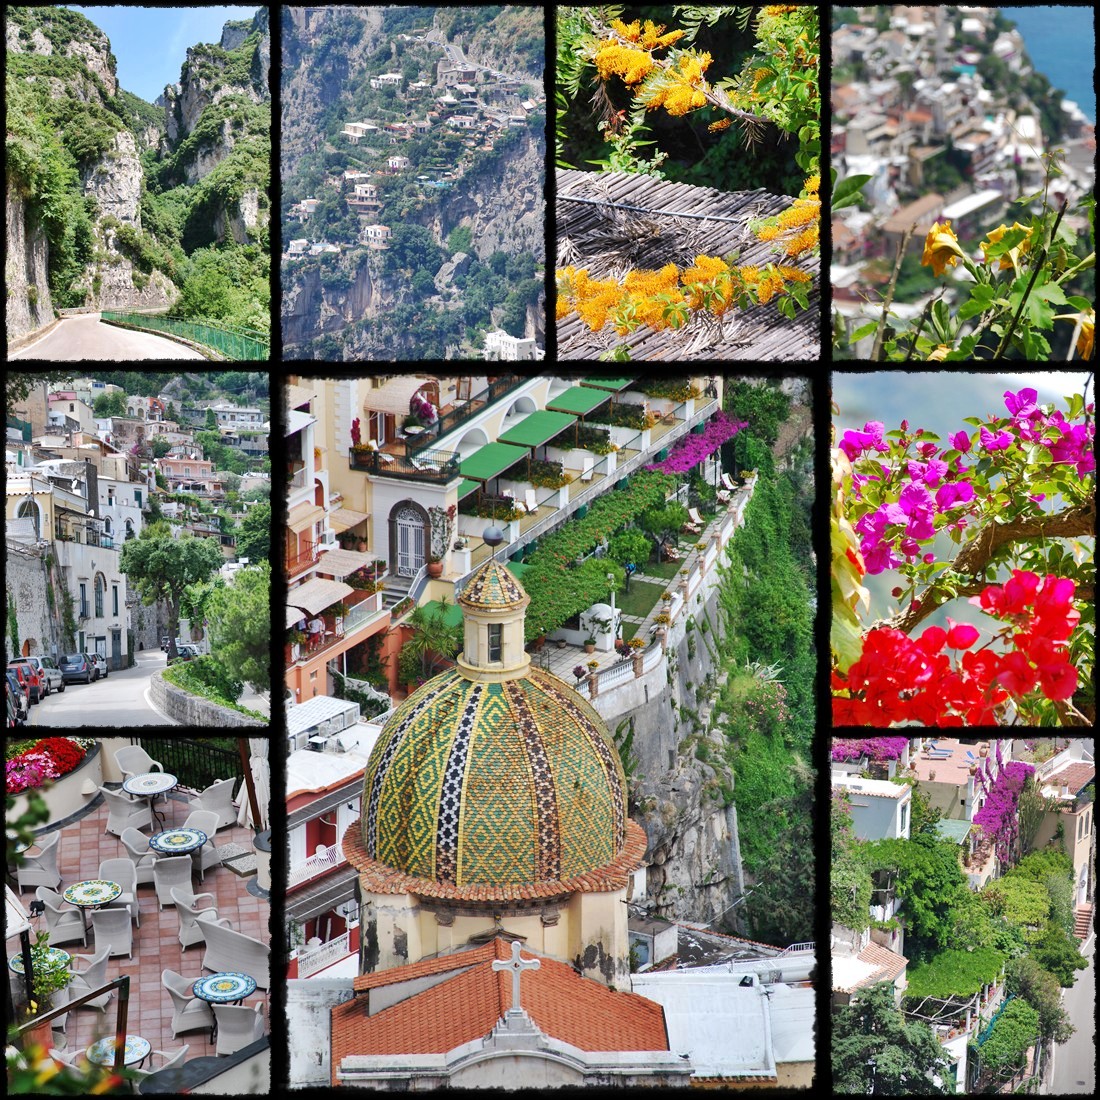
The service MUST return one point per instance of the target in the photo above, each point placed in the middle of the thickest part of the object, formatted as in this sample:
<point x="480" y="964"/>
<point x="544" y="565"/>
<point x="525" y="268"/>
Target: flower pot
<point x="361" y="546"/>
<point x="590" y="647"/>
<point x="435" y="569"/>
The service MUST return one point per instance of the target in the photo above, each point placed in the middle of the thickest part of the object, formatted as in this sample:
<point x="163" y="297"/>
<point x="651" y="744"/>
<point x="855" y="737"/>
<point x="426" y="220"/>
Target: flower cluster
<point x="422" y="409"/>
<point x="874" y="748"/>
<point x="693" y="449"/>
<point x="48" y="759"/>
<point x="997" y="817"/>
<point x="903" y="679"/>
<point x="650" y="35"/>
<point x="797" y="228"/>
<point x="614" y="60"/>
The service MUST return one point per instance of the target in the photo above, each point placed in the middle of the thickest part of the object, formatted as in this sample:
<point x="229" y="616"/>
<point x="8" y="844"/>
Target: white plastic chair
<point x="218" y="798"/>
<point x="92" y="976"/>
<point x="65" y="925"/>
<point x="122" y="871"/>
<point x="188" y="1011"/>
<point x="237" y="1027"/>
<point x="134" y="760"/>
<point x="171" y="1061"/>
<point x="137" y="848"/>
<point x="124" y="812"/>
<point x="205" y="821"/>
<point x="40" y="869"/>
<point x="192" y="918"/>
<point x="227" y="949"/>
<point x="589" y="464"/>
<point x="169" y="872"/>
<point x="113" y="931"/>
<point x="530" y="500"/>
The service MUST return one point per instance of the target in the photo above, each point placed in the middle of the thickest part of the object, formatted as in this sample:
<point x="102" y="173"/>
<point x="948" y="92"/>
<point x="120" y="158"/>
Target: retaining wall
<point x="193" y="710"/>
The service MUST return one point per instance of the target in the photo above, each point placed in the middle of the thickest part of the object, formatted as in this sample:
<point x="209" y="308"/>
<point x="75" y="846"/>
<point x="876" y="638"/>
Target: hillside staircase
<point x="1082" y="922"/>
<point x="397" y="588"/>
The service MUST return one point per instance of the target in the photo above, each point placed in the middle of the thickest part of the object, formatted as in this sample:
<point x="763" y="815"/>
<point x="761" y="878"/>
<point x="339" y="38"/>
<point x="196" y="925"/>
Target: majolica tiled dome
<point x="502" y="784"/>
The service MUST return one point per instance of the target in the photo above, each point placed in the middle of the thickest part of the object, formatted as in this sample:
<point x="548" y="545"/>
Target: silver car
<point x="100" y="663"/>
<point x="50" y="673"/>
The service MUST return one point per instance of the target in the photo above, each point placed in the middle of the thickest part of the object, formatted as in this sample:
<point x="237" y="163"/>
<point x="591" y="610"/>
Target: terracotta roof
<point x="887" y="966"/>
<point x="1075" y="775"/>
<point x="572" y="1009"/>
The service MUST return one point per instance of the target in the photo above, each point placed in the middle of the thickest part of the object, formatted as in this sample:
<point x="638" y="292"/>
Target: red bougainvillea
<point x="49" y="759"/>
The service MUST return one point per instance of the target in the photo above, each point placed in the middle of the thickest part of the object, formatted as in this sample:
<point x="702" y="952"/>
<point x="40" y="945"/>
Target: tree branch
<point x="981" y="550"/>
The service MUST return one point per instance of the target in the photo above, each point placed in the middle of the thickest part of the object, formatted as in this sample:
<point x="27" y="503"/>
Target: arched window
<point x="129" y="529"/>
<point x="100" y="588"/>
<point x="107" y="526"/>
<point x="28" y="509"/>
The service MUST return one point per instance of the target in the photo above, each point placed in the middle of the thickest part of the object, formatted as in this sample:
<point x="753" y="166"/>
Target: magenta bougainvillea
<point x="47" y="760"/>
<point x="874" y="748"/>
<point x="693" y="449"/>
<point x="998" y="818"/>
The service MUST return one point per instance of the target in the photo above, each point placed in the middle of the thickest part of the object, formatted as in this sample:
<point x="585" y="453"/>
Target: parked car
<point x="165" y="643"/>
<point x="100" y="663"/>
<point x="20" y="696"/>
<point x="48" y="670"/>
<point x="78" y="668"/>
<point x="29" y="677"/>
<point x="185" y="653"/>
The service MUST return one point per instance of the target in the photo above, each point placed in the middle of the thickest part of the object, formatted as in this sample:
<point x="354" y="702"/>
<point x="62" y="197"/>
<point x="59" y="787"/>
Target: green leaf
<point x="863" y="330"/>
<point x="1009" y="241"/>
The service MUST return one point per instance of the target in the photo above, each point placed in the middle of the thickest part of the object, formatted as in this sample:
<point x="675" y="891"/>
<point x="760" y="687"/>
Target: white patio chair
<point x="93" y="976"/>
<point x="696" y="518"/>
<point x="113" y="931"/>
<point x="227" y="949"/>
<point x="589" y="465"/>
<point x="171" y="1061"/>
<point x="188" y="1011"/>
<point x="40" y="869"/>
<point x="122" y="871"/>
<point x="218" y="798"/>
<point x="237" y="1027"/>
<point x="74" y="1058"/>
<point x="728" y="482"/>
<point x="192" y="918"/>
<point x="169" y="872"/>
<point x="530" y="501"/>
<point x="134" y="760"/>
<point x="64" y="924"/>
<point x="205" y="821"/>
<point x="137" y="848"/>
<point x="124" y="812"/>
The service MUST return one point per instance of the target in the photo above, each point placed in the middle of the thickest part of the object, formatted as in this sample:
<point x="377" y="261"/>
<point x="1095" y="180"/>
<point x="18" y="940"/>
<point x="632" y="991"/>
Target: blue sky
<point x="151" y="43"/>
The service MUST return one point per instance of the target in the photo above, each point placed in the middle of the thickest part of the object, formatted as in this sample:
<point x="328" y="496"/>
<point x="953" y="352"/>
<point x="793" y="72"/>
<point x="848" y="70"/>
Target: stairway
<point x="1082" y="923"/>
<point x="397" y="588"/>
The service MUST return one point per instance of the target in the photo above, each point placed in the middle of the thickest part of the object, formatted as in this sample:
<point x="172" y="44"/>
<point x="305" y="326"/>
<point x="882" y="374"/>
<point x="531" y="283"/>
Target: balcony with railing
<point x="437" y="467"/>
<point x="499" y="387"/>
<point x="298" y="475"/>
<point x="362" y="609"/>
<point x="326" y="858"/>
<point x="306" y="556"/>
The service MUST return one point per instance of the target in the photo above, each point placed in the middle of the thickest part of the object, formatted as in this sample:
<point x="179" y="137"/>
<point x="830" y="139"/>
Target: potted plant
<point x="361" y="544"/>
<point x="47" y="979"/>
<point x="590" y="644"/>
<point x="593" y="665"/>
<point x="435" y="566"/>
<point x="580" y="672"/>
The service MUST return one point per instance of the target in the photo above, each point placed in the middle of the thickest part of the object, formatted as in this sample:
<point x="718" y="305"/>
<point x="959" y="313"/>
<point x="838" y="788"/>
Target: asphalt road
<point x="1075" y="1061"/>
<point x="122" y="699"/>
<point x="84" y="337"/>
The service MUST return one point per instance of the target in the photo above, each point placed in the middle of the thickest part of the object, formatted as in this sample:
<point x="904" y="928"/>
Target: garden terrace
<point x="589" y="208"/>
<point x="466" y="409"/>
<point x="434" y="466"/>
<point x="83" y="844"/>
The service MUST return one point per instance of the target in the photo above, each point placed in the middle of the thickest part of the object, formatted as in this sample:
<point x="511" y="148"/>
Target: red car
<point x="30" y="679"/>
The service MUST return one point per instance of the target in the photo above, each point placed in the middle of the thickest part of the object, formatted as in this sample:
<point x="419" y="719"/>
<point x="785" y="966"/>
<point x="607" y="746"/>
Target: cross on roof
<point x="517" y="965"/>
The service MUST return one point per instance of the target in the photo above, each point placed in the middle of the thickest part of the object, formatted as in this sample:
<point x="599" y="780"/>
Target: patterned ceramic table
<point x="149" y="786"/>
<point x="91" y="894"/>
<point x="225" y="988"/>
<point x="177" y="842"/>
<point x="102" y="1053"/>
<point x="54" y="960"/>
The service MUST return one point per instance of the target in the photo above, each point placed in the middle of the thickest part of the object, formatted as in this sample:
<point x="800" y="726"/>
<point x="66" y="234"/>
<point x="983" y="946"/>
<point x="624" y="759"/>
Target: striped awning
<point x="304" y="515"/>
<point x="342" y="563"/>
<point x="294" y="616"/>
<point x="394" y="395"/>
<point x="343" y="519"/>
<point x="317" y="594"/>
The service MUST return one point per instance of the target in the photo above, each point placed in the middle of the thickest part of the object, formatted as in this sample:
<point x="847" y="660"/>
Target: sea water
<point x="1061" y="42"/>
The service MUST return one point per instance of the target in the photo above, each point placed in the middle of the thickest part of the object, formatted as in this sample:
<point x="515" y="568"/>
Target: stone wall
<point x="193" y="710"/>
<point x="25" y="580"/>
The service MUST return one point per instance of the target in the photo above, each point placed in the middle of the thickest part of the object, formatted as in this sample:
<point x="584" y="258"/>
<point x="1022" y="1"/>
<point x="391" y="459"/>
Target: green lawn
<point x="640" y="599"/>
<point x="629" y="630"/>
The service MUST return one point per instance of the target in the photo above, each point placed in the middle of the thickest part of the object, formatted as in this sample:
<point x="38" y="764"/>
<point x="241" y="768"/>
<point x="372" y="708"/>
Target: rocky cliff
<point x="29" y="306"/>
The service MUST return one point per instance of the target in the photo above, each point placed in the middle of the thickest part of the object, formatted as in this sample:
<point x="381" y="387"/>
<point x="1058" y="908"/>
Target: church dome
<point x="475" y="788"/>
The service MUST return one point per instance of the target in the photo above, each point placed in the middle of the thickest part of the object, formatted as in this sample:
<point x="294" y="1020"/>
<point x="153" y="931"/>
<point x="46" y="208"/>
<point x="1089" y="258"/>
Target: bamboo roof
<point x="626" y="220"/>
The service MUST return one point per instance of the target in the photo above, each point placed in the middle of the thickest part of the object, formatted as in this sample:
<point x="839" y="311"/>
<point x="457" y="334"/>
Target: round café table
<point x="177" y="842"/>
<point x="149" y="786"/>
<point x="102" y="1052"/>
<point x="226" y="987"/>
<point x="54" y="959"/>
<point x="92" y="894"/>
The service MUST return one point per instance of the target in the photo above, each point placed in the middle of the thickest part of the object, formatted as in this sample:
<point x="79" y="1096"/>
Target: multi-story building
<point x="189" y="474"/>
<point x="236" y="416"/>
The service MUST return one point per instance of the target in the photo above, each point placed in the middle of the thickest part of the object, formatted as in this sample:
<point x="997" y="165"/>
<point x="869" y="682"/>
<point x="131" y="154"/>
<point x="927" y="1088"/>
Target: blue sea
<point x="1061" y="43"/>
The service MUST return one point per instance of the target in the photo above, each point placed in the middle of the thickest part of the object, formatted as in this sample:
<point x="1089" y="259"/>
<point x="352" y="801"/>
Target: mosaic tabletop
<point x="54" y="959"/>
<point x="176" y="842"/>
<point x="153" y="783"/>
<point x="225" y="987"/>
<point x="95" y="891"/>
<point x="103" y="1051"/>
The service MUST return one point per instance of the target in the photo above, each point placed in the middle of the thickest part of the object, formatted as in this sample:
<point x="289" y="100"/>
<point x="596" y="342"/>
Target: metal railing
<point x="318" y="864"/>
<point x="309" y="962"/>
<point x="195" y="764"/>
<point x="498" y="388"/>
<point x="440" y="466"/>
<point x="231" y="341"/>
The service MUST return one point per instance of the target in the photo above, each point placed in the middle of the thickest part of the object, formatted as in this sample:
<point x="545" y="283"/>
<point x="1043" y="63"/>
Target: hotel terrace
<point x="155" y="904"/>
<point x="399" y="504"/>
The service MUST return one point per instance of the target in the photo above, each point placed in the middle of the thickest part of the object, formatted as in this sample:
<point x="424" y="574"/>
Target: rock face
<point x="115" y="181"/>
<point x="25" y="257"/>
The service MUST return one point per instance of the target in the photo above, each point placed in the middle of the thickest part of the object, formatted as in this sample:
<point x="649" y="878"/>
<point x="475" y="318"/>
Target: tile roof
<point x="493" y="587"/>
<point x="880" y="964"/>
<point x="1076" y="775"/>
<point x="567" y="1007"/>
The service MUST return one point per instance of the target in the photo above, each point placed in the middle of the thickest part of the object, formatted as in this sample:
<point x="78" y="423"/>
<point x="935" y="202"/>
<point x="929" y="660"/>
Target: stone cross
<point x="517" y="965"/>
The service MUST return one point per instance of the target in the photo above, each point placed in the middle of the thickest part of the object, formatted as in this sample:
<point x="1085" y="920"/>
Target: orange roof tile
<point x="1075" y="775"/>
<point x="572" y="1009"/>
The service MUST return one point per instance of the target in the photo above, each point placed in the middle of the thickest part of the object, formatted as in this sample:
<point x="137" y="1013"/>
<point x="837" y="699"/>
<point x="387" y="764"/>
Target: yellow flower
<point x="805" y="240"/>
<point x="941" y="248"/>
<point x="1011" y="258"/>
<point x="1085" y="336"/>
<point x="795" y="274"/>
<point x="631" y="65"/>
<point x="812" y="185"/>
<point x="940" y="354"/>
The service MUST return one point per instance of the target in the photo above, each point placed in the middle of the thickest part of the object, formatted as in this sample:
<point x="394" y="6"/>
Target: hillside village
<point x="467" y="101"/>
<point x="941" y="107"/>
<point x="90" y="464"/>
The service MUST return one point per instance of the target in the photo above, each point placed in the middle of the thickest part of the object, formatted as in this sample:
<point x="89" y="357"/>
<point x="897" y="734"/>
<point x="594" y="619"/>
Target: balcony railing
<point x="196" y="764"/>
<point x="316" y="865"/>
<point x="299" y="476"/>
<point x="435" y="466"/>
<point x="303" y="560"/>
<point x="315" y="959"/>
<point x="499" y="387"/>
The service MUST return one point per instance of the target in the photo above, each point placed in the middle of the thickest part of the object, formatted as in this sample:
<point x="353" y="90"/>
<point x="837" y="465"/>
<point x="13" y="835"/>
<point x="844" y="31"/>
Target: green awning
<point x="578" y="400"/>
<point x="453" y="615"/>
<point x="492" y="459"/>
<point x="612" y="385"/>
<point x="466" y="487"/>
<point x="537" y="428"/>
<point x="952" y="829"/>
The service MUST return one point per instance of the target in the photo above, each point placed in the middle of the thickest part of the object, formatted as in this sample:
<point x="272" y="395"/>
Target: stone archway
<point x="410" y="531"/>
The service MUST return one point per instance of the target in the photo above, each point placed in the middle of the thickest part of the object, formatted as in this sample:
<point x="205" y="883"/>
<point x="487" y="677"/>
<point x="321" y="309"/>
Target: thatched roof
<point x="621" y="222"/>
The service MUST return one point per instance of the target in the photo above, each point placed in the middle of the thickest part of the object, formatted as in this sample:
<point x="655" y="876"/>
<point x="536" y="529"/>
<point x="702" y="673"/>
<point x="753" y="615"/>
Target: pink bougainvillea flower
<point x="961" y="441"/>
<point x="1059" y="683"/>
<point x="960" y="635"/>
<point x="854" y="443"/>
<point x="1038" y="498"/>
<point x="928" y="559"/>
<point x="880" y="557"/>
<point x="999" y="442"/>
<point x="1022" y="404"/>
